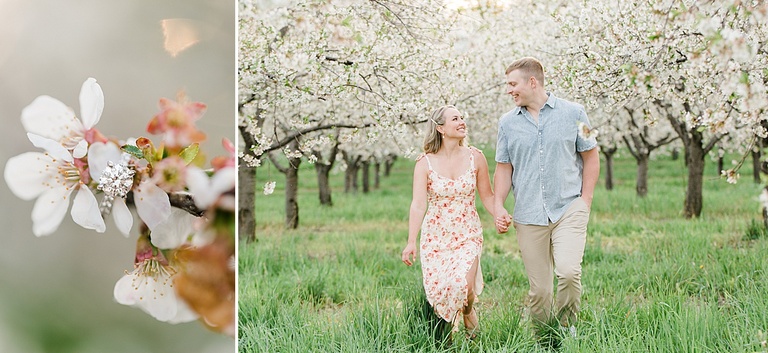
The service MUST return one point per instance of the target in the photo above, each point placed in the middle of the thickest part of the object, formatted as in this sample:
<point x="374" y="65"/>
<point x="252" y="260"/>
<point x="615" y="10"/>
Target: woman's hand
<point x="409" y="254"/>
<point x="503" y="221"/>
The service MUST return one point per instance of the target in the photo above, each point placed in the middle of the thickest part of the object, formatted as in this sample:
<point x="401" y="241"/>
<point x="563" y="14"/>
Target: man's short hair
<point x="529" y="66"/>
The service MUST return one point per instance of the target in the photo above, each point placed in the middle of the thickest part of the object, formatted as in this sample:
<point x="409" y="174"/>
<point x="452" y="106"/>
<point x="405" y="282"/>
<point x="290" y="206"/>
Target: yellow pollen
<point x="176" y="119"/>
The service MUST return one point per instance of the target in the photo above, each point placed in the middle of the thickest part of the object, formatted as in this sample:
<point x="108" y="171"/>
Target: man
<point x="552" y="170"/>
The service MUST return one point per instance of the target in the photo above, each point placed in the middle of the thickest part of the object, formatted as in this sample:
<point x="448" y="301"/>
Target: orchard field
<point x="653" y="280"/>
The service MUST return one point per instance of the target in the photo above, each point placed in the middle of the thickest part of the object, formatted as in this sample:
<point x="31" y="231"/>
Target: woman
<point x="445" y="178"/>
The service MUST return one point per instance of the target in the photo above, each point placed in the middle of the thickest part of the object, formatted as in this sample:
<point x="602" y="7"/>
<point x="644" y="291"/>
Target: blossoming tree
<point x="312" y="66"/>
<point x="697" y="64"/>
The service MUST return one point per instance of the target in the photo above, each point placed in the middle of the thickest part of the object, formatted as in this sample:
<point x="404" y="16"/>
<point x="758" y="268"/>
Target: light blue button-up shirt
<point x="547" y="169"/>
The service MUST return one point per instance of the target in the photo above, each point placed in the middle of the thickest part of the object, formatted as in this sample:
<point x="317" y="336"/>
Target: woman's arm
<point x="418" y="208"/>
<point x="484" y="181"/>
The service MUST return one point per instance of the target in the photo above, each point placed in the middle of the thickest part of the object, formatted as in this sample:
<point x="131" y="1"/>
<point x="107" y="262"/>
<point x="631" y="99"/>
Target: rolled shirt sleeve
<point x="584" y="144"/>
<point x="502" y="153"/>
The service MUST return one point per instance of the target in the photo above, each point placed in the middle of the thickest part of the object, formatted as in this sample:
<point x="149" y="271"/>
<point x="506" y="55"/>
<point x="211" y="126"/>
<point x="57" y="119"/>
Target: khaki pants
<point x="558" y="246"/>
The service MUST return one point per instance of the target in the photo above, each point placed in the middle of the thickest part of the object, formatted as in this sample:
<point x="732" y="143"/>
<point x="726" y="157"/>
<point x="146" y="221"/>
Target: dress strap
<point x="472" y="157"/>
<point x="428" y="163"/>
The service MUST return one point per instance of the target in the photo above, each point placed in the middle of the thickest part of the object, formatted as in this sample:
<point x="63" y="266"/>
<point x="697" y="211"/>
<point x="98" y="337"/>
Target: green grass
<point x="652" y="280"/>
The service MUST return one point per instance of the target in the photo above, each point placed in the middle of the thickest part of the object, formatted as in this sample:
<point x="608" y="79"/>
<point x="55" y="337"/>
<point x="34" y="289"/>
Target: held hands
<point x="409" y="254"/>
<point x="503" y="220"/>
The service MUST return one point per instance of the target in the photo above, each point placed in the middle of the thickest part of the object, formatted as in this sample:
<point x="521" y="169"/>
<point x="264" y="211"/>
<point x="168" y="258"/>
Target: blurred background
<point x="56" y="291"/>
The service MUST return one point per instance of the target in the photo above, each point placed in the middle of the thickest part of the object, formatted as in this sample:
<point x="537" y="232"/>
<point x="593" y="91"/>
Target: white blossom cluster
<point x="79" y="164"/>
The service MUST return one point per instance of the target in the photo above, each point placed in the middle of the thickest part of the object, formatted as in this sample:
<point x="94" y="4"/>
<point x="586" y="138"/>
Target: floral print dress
<point x="451" y="239"/>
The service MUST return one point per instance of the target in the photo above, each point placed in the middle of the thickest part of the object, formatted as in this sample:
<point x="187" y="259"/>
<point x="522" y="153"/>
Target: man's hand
<point x="503" y="220"/>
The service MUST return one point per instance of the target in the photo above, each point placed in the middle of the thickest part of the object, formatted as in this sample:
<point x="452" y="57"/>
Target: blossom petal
<point x="203" y="237"/>
<point x="206" y="191"/>
<point x="80" y="149"/>
<point x="85" y="211"/>
<point x="159" y="299"/>
<point x="91" y="103"/>
<point x="198" y="184"/>
<point x="224" y="180"/>
<point x="28" y="174"/>
<point x="48" y="117"/>
<point x="154" y="295"/>
<point x="54" y="148"/>
<point x="152" y="204"/>
<point x="174" y="231"/>
<point x="99" y="154"/>
<point x="49" y="210"/>
<point x="183" y="313"/>
<point x="122" y="216"/>
<point x="124" y="291"/>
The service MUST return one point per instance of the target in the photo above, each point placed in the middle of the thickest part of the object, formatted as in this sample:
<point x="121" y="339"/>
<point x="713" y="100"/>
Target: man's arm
<point x="590" y="174"/>
<point x="502" y="183"/>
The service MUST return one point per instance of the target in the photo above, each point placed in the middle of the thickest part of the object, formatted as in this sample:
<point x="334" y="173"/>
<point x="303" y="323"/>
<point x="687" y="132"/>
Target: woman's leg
<point x="471" y="275"/>
<point x="470" y="315"/>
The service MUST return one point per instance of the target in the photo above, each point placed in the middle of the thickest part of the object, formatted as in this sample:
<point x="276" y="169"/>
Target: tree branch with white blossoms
<point x="184" y="267"/>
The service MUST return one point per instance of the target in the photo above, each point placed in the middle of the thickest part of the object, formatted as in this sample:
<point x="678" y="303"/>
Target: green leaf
<point x="744" y="77"/>
<point x="188" y="154"/>
<point x="133" y="150"/>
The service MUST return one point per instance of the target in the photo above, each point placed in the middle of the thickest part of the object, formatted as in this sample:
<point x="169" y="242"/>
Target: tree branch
<point x="185" y="201"/>
<point x="629" y="146"/>
<point x="285" y="141"/>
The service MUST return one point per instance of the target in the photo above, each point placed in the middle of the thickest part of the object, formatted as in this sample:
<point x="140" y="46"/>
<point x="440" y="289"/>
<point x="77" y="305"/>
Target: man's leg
<point x="534" y="242"/>
<point x="569" y="237"/>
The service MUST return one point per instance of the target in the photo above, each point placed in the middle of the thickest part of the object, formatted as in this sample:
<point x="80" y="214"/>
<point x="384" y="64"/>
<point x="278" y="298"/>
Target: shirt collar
<point x="551" y="99"/>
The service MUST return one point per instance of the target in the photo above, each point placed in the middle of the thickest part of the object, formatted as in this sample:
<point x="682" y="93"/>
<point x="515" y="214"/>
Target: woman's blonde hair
<point x="433" y="140"/>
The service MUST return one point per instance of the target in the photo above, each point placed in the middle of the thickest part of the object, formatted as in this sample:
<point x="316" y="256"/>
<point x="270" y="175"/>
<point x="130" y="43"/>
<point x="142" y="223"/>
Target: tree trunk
<point x="366" y="176"/>
<point x="608" y="153"/>
<point x="765" y="217"/>
<point x="756" y="166"/>
<point x="350" y="175"/>
<point x="291" y="193"/>
<point x="323" y="169"/>
<point x="323" y="183"/>
<point x="720" y="164"/>
<point x="350" y="178"/>
<point x="765" y="211"/>
<point x="695" y="160"/>
<point x="246" y="203"/>
<point x="642" y="175"/>
<point x="291" y="185"/>
<point x="388" y="164"/>
<point x="695" y="151"/>
<point x="376" y="175"/>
